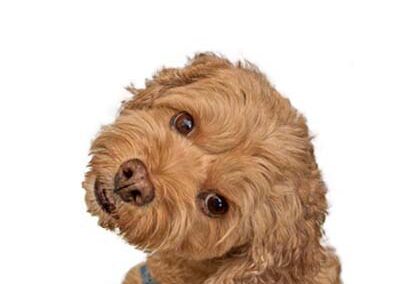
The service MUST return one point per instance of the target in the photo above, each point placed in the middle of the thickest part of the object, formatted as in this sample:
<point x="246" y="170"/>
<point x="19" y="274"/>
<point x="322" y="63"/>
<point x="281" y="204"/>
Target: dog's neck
<point x="169" y="268"/>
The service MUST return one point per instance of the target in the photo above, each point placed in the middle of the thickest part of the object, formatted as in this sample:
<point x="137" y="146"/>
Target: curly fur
<point x="251" y="146"/>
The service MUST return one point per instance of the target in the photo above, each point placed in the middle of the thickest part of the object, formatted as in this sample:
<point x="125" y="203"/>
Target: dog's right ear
<point x="202" y="65"/>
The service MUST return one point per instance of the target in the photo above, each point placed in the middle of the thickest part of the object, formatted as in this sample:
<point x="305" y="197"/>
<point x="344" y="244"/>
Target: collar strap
<point x="145" y="274"/>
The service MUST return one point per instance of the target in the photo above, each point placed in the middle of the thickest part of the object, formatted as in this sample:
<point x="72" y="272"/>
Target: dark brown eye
<point x="183" y="122"/>
<point x="212" y="204"/>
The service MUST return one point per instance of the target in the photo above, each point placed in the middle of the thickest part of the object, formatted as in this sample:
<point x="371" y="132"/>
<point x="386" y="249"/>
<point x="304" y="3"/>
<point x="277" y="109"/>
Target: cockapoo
<point x="211" y="171"/>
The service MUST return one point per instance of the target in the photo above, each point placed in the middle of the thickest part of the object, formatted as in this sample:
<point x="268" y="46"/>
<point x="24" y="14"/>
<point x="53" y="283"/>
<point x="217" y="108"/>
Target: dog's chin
<point x="103" y="198"/>
<point x="101" y="204"/>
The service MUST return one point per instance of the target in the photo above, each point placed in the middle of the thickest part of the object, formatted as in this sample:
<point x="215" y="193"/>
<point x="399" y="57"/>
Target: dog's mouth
<point x="106" y="203"/>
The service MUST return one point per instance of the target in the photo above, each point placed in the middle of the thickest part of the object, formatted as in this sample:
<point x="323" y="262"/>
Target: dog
<point x="212" y="172"/>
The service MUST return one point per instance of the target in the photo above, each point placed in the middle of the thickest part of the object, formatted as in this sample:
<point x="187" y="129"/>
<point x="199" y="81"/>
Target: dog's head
<point x="209" y="160"/>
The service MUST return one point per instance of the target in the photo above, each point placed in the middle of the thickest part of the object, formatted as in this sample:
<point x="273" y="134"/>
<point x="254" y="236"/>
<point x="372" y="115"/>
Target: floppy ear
<point x="202" y="65"/>
<point x="287" y="223"/>
<point x="291" y="240"/>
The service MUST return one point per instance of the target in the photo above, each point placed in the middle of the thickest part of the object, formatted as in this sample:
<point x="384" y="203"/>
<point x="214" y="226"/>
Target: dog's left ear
<point x="288" y="226"/>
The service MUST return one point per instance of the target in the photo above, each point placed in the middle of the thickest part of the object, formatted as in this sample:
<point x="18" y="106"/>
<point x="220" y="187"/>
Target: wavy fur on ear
<point x="252" y="147"/>
<point x="201" y="66"/>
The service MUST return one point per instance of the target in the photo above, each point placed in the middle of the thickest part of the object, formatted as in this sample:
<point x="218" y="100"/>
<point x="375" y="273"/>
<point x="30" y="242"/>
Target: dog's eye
<point x="212" y="204"/>
<point x="183" y="122"/>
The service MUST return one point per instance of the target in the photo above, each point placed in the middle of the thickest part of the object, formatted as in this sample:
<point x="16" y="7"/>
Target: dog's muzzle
<point x="132" y="183"/>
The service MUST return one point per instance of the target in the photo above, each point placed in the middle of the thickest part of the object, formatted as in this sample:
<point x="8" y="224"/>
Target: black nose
<point x="132" y="183"/>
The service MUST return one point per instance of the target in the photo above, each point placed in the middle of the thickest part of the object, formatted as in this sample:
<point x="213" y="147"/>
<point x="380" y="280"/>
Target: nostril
<point x="136" y="195"/>
<point x="128" y="173"/>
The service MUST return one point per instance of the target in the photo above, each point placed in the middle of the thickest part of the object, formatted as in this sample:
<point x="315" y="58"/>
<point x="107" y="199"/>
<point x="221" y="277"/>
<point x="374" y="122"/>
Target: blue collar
<point x="145" y="274"/>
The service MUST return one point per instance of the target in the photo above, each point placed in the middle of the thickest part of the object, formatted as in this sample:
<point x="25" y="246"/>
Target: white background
<point x="63" y="68"/>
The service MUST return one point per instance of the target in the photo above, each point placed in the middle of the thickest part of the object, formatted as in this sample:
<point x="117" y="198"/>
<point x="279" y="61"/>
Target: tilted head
<point x="206" y="161"/>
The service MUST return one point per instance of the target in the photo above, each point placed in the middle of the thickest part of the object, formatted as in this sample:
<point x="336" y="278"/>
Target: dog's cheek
<point x="148" y="228"/>
<point x="211" y="237"/>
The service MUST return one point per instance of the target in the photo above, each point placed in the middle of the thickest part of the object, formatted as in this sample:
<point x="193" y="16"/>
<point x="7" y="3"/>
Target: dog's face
<point x="206" y="160"/>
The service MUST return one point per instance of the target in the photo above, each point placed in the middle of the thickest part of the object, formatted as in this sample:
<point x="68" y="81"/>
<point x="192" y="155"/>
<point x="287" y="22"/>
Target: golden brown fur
<point x="251" y="146"/>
